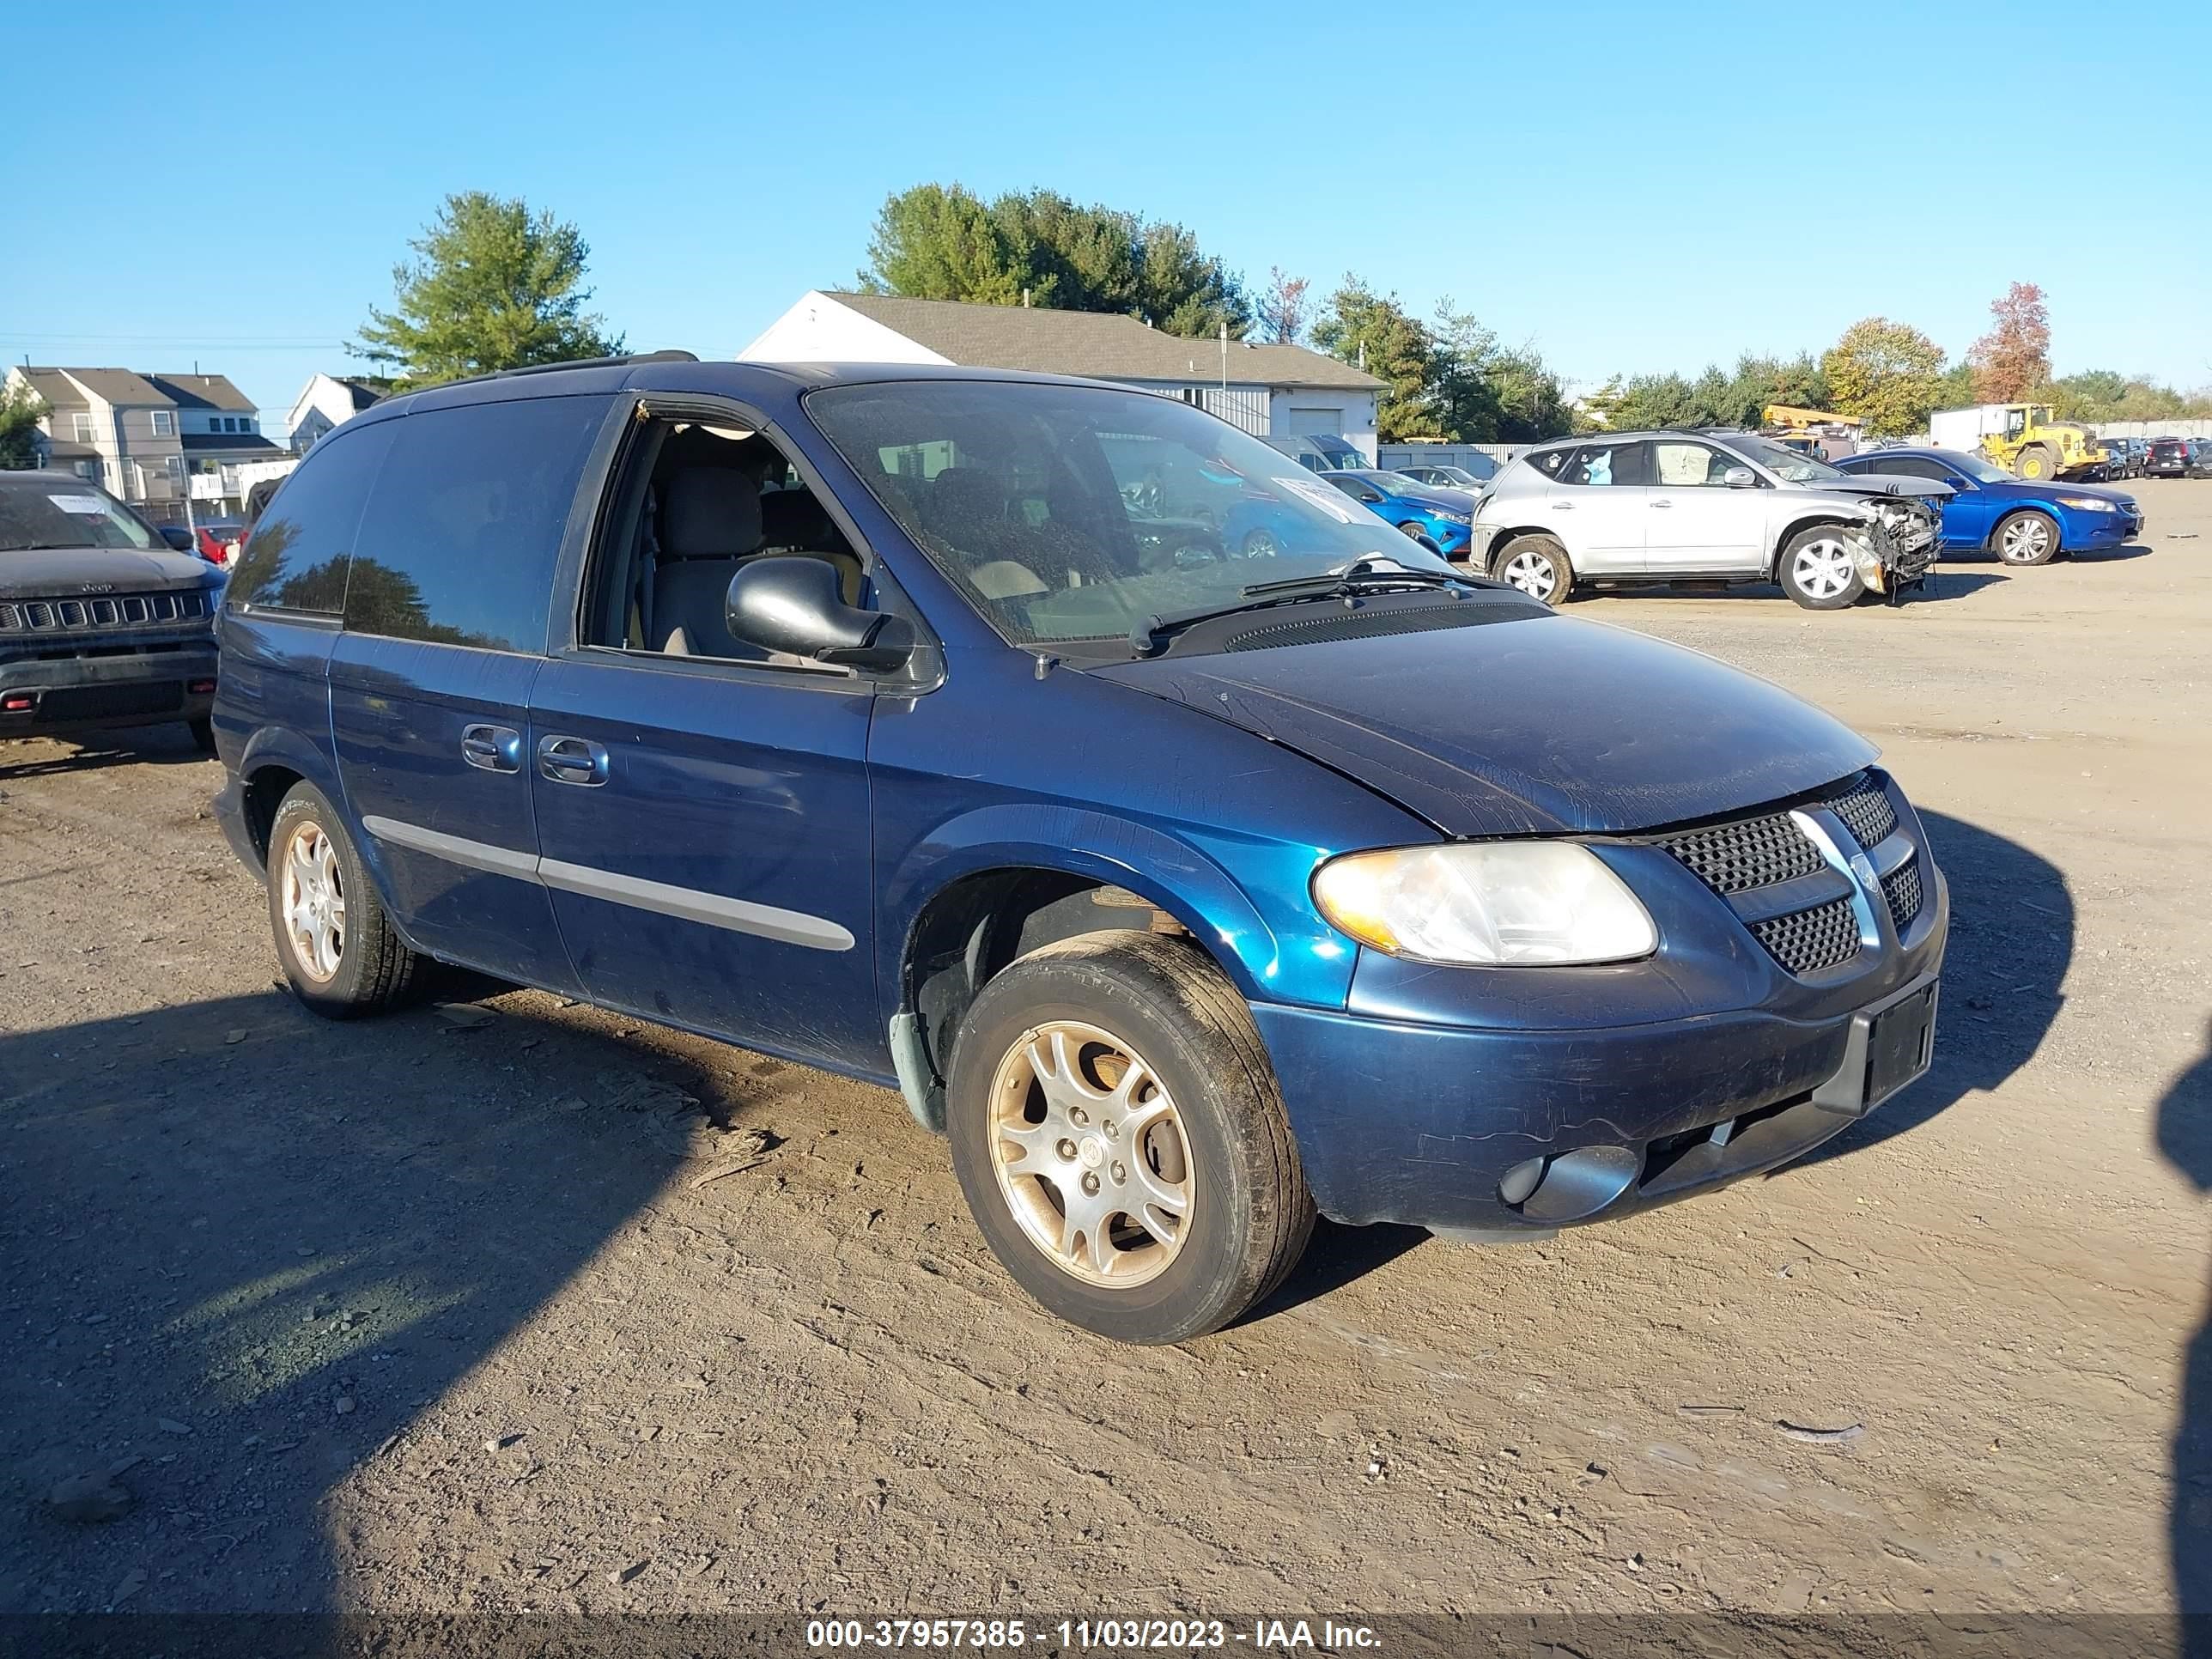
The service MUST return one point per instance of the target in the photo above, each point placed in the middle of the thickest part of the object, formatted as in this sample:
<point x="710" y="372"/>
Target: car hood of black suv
<point x="72" y="573"/>
<point x="1528" y="724"/>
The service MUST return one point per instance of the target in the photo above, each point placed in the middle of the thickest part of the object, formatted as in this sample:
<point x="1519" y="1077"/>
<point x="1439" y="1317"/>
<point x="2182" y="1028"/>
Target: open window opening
<point x="694" y="504"/>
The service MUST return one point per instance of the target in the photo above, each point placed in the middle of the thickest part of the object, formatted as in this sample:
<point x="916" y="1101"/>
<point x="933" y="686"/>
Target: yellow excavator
<point x="1821" y="434"/>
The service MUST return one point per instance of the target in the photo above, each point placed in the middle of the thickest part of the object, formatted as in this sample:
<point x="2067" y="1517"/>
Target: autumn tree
<point x="1281" y="314"/>
<point x="493" y="286"/>
<point x="2014" y="358"/>
<point x="1886" y="374"/>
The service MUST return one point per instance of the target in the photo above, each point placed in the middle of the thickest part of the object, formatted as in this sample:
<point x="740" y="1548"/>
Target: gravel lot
<point x="423" y="1316"/>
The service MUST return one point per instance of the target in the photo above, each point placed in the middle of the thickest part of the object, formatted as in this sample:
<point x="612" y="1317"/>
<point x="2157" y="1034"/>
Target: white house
<point x="329" y="400"/>
<point x="1270" y="390"/>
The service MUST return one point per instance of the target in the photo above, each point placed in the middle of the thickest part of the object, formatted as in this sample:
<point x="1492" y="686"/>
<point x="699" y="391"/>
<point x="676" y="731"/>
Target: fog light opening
<point x="199" y="688"/>
<point x="1574" y="1185"/>
<point x="18" y="703"/>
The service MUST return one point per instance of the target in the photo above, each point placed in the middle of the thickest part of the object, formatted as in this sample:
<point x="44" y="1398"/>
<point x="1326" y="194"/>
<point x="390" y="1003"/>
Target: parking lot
<point x="544" y="1309"/>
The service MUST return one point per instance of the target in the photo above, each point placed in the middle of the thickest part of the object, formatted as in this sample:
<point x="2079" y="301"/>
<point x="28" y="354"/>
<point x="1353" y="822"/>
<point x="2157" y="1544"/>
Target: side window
<point x="1358" y="488"/>
<point x="1549" y="462"/>
<point x="1680" y="465"/>
<point x="459" y="541"/>
<point x="295" y="559"/>
<point x="1601" y="465"/>
<point x="693" y="504"/>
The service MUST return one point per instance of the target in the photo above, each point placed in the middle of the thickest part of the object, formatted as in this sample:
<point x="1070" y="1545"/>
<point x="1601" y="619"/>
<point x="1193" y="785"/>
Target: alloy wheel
<point x="1090" y="1154"/>
<point x="1533" y="574"/>
<point x="1823" y="567"/>
<point x="2024" y="540"/>
<point x="313" y="900"/>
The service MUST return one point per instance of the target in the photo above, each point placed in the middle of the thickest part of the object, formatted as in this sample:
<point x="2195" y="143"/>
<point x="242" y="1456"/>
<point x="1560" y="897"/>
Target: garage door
<point x="1305" y="422"/>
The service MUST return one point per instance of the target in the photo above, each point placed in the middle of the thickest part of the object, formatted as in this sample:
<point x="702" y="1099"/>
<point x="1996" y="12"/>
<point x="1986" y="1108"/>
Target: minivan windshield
<point x="1068" y="513"/>
<point x="42" y="512"/>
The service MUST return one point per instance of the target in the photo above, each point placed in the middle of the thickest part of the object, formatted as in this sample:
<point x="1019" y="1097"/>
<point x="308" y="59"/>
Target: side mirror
<point x="1740" y="477"/>
<point x="794" y="605"/>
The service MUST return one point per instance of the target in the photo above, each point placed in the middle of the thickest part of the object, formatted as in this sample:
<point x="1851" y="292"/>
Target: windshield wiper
<point x="1361" y="577"/>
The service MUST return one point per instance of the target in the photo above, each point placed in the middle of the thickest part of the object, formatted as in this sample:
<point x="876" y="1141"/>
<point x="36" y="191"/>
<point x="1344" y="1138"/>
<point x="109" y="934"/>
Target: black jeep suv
<point x="101" y="623"/>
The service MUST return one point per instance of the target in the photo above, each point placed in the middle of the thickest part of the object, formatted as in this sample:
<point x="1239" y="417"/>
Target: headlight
<point x="2086" y="504"/>
<point x="1549" y="903"/>
<point x="1449" y="517"/>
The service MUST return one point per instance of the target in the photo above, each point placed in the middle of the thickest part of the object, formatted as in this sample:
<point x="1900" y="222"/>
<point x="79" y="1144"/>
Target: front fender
<point x="1270" y="951"/>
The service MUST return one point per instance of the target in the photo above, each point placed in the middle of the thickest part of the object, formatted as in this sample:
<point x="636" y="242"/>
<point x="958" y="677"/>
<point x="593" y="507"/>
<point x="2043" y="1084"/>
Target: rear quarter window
<point x="462" y="534"/>
<point x="295" y="559"/>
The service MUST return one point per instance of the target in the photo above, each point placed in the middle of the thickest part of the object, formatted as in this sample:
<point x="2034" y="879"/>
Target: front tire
<point x="2027" y="538"/>
<point x="338" y="948"/>
<point x="1817" y="570"/>
<point x="1538" y="566"/>
<point x="1118" y="1131"/>
<point x="2036" y="463"/>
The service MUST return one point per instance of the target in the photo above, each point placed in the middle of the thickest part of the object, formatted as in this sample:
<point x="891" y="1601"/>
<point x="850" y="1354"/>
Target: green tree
<point x="493" y="286"/>
<point x="1481" y="391"/>
<point x="944" y="242"/>
<point x="1888" y="375"/>
<point x="2013" y="358"/>
<point x="1358" y="325"/>
<point x="1652" y="400"/>
<point x="21" y="411"/>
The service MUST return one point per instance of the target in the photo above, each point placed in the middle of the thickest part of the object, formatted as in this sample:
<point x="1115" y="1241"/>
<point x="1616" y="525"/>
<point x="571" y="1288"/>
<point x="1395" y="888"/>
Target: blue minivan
<point x="856" y="715"/>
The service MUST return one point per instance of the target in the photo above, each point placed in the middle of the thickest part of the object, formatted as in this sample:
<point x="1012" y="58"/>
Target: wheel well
<point x="1790" y="531"/>
<point x="1498" y="543"/>
<point x="976" y="925"/>
<point x="264" y="793"/>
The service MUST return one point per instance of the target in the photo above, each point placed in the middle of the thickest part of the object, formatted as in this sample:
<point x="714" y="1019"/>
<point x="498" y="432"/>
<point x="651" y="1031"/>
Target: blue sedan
<point x="1992" y="511"/>
<point x="1442" y="520"/>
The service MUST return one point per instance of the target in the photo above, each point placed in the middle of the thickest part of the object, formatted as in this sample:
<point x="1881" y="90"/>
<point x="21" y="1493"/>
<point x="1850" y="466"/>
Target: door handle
<point x="1663" y="503"/>
<point x="572" y="760"/>
<point x="1563" y="507"/>
<point x="492" y="748"/>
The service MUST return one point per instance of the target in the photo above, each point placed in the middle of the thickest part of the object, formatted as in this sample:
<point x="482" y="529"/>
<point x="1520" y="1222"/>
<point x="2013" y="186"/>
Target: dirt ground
<point x="420" y="1316"/>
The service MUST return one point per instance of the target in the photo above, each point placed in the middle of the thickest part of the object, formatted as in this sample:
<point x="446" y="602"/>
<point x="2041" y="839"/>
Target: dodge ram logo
<point x="95" y="587"/>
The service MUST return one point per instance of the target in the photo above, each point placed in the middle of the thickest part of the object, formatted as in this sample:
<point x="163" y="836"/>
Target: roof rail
<point x="671" y="356"/>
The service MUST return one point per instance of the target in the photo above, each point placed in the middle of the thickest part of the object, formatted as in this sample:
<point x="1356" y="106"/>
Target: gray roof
<point x="1101" y="344"/>
<point x="364" y="392"/>
<point x="203" y="391"/>
<point x="115" y="385"/>
<point x="54" y="387"/>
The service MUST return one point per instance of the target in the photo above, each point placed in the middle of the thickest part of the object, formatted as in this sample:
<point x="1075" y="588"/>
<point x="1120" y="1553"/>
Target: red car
<point x="218" y="543"/>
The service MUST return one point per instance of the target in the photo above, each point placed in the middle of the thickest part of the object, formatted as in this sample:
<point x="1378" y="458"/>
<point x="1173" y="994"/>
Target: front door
<point x="1697" y="523"/>
<point x="703" y="806"/>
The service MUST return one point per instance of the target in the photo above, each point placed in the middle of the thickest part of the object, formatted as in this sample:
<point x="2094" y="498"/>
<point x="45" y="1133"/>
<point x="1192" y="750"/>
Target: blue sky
<point x="1630" y="187"/>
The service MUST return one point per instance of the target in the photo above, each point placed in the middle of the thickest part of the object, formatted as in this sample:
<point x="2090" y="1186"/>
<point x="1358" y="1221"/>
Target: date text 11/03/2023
<point x="1089" y="1635"/>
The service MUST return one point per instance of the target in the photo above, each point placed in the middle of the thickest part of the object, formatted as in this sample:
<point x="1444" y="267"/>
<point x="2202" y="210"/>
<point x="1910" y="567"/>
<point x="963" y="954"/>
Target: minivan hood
<point x="65" y="572"/>
<point x="1539" y="724"/>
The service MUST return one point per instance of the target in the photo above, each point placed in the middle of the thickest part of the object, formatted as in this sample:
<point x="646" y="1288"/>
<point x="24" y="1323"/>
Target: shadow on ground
<point x="23" y="759"/>
<point x="242" y="1248"/>
<point x="2185" y="1136"/>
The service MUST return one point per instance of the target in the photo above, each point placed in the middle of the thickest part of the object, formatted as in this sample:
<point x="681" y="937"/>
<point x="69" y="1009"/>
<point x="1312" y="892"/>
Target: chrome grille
<point x="1735" y="858"/>
<point x="105" y="611"/>
<point x="1900" y="891"/>
<point x="1810" y="940"/>
<point x="1865" y="810"/>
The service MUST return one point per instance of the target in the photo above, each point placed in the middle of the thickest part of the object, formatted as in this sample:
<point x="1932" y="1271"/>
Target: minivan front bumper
<point x="1446" y="1127"/>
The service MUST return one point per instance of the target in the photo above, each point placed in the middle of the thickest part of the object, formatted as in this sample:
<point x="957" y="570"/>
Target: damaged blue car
<point x="1190" y="884"/>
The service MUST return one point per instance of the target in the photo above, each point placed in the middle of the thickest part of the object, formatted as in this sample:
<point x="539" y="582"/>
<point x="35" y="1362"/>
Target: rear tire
<point x="1817" y="570"/>
<point x="337" y="946"/>
<point x="2027" y="538"/>
<point x="1538" y="566"/>
<point x="1076" y="1045"/>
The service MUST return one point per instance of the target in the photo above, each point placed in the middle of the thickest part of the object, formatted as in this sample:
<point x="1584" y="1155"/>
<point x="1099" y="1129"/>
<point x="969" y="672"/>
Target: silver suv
<point x="1703" y="508"/>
